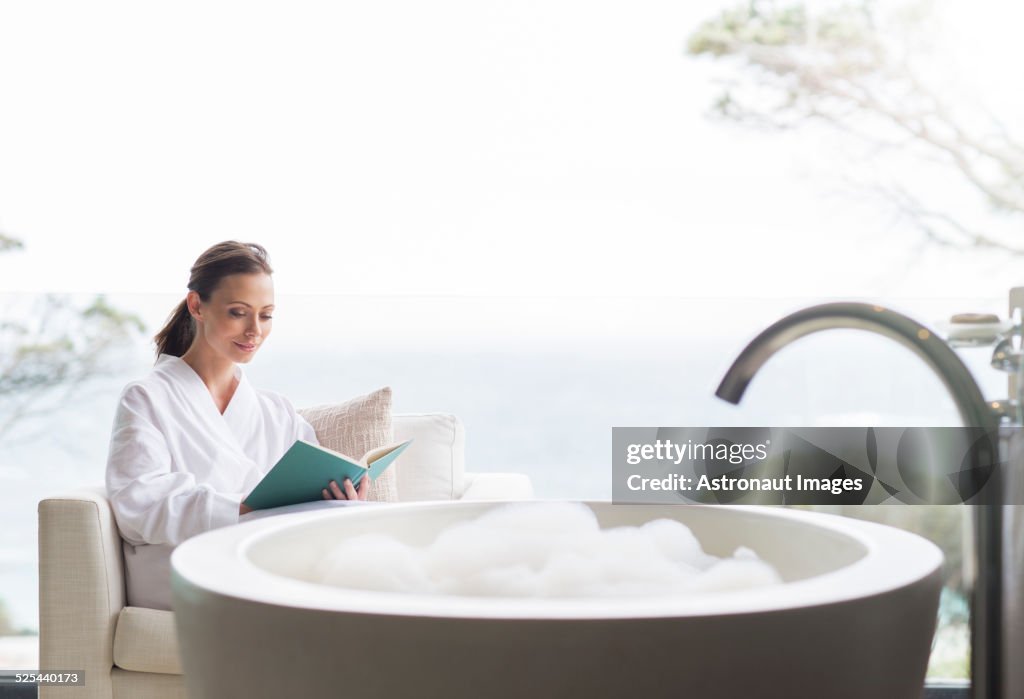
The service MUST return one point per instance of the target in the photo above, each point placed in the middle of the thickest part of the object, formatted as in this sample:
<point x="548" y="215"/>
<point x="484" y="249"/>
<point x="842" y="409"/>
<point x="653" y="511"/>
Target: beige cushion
<point x="146" y="641"/>
<point x="354" y="428"/>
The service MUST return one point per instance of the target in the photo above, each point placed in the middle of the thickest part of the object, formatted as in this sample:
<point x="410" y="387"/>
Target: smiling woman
<point x="232" y="328"/>
<point x="192" y="438"/>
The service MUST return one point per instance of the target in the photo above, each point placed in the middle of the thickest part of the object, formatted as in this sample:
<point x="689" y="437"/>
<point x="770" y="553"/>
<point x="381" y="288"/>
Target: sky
<point x="460" y="148"/>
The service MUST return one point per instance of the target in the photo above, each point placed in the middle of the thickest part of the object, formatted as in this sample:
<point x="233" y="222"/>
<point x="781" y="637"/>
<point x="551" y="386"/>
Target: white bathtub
<point x="855" y="617"/>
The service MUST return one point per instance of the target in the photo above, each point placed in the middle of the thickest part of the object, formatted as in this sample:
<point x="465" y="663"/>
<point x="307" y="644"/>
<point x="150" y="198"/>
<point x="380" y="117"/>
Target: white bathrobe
<point x="178" y="467"/>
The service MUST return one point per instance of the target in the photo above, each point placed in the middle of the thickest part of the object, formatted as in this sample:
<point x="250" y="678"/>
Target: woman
<point x="193" y="438"/>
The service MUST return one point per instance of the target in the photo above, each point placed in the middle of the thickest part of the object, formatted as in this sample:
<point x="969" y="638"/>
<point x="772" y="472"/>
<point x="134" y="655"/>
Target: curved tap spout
<point x="986" y="615"/>
<point x="973" y="408"/>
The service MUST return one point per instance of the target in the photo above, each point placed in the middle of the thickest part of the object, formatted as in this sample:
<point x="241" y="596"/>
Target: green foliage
<point x="111" y="317"/>
<point x="55" y="346"/>
<point x="786" y="38"/>
<point x="756" y="23"/>
<point x="8" y="243"/>
<point x="60" y="343"/>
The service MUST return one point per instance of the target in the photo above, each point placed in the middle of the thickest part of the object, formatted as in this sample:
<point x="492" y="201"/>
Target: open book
<point x="306" y="469"/>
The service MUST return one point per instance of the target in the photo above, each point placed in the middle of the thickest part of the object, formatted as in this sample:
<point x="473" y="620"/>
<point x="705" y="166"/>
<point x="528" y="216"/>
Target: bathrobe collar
<point x="231" y="424"/>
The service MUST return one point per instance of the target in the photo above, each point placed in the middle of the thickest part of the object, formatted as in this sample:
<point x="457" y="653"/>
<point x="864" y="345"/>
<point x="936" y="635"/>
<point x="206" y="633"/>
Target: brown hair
<point x="222" y="260"/>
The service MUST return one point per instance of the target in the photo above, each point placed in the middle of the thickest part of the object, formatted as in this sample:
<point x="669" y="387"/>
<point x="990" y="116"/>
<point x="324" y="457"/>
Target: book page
<point x="321" y="447"/>
<point x="377" y="453"/>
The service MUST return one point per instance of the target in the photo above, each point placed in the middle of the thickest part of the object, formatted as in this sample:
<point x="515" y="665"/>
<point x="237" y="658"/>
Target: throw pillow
<point x="354" y="428"/>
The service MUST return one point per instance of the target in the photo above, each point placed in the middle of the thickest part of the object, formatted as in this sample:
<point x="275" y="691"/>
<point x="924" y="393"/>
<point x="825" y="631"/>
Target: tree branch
<point x="838" y="67"/>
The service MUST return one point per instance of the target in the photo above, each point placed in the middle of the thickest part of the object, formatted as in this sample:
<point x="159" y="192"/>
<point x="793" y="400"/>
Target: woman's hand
<point x="350" y="492"/>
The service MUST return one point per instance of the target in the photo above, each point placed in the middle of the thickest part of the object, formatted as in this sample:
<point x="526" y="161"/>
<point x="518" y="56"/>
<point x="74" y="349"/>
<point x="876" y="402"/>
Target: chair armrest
<point x="81" y="585"/>
<point x="497" y="486"/>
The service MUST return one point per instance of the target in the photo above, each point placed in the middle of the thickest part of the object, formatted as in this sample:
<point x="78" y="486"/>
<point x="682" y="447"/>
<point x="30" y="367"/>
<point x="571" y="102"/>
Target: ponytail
<point x="176" y="336"/>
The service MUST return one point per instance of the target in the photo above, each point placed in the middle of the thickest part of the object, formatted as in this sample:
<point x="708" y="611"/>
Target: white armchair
<point x="132" y="652"/>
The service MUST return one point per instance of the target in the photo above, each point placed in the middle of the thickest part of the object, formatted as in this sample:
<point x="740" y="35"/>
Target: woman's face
<point x="237" y="319"/>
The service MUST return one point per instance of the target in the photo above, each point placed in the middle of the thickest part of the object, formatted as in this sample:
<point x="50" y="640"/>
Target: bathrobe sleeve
<point x="152" y="503"/>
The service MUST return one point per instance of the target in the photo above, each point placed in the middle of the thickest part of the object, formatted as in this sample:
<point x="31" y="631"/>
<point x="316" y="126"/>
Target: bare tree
<point x="846" y="67"/>
<point x="53" y="348"/>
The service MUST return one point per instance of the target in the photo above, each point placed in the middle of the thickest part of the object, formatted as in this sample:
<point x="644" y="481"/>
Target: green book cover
<point x="306" y="469"/>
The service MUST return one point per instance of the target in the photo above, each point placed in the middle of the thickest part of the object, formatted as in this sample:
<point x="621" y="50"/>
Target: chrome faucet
<point x="986" y="611"/>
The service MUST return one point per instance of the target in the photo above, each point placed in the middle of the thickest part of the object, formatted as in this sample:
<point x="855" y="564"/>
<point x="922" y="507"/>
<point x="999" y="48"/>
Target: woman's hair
<point x="222" y="260"/>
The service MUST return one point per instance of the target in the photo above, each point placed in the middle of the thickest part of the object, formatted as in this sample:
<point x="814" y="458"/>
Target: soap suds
<point x="544" y="549"/>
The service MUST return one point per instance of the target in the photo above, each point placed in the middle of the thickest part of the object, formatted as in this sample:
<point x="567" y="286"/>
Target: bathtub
<point x="855" y="616"/>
